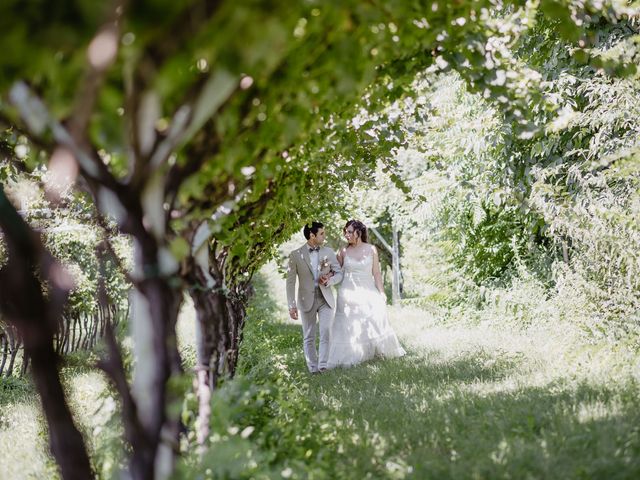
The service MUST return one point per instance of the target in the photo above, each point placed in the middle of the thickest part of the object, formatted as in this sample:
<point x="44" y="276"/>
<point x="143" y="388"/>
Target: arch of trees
<point x="209" y="131"/>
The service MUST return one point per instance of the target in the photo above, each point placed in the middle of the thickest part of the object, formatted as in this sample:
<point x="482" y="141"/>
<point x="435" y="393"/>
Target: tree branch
<point x="102" y="52"/>
<point x="114" y="368"/>
<point x="382" y="240"/>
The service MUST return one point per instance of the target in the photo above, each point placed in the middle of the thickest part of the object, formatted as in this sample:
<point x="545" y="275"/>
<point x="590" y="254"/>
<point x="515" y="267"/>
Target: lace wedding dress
<point x="360" y="329"/>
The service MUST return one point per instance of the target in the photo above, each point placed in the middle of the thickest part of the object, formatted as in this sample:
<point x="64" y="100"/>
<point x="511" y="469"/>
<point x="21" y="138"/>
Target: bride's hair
<point x="359" y="227"/>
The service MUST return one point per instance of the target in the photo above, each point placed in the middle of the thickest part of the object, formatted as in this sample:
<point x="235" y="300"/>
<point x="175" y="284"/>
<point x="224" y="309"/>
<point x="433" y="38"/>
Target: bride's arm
<point x="335" y="274"/>
<point x="377" y="276"/>
<point x="340" y="256"/>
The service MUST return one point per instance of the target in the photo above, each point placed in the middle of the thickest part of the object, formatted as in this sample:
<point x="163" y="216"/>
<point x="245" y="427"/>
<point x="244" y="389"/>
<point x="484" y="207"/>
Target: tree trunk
<point x="77" y="328"/>
<point x="13" y="352"/>
<point x="65" y="344"/>
<point x="25" y="364"/>
<point x="394" y="250"/>
<point x="565" y="252"/>
<point x="65" y="441"/>
<point x="155" y="312"/>
<point x="3" y="349"/>
<point x="396" y="266"/>
<point x="210" y="306"/>
<point x="205" y="275"/>
<point x="86" y="330"/>
<point x="237" y="314"/>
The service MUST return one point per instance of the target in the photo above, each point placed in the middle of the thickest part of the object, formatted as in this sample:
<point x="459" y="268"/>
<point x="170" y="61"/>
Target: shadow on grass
<point x="15" y="390"/>
<point x="472" y="417"/>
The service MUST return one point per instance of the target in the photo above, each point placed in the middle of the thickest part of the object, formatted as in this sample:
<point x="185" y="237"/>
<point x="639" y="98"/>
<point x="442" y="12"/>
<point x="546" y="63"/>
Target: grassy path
<point x="467" y="402"/>
<point x="461" y="407"/>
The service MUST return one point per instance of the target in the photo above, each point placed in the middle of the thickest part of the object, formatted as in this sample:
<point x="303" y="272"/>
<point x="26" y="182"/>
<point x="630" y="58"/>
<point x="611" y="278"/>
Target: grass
<point x="23" y="437"/>
<point x="23" y="440"/>
<point x="466" y="402"/>
<point x="467" y="417"/>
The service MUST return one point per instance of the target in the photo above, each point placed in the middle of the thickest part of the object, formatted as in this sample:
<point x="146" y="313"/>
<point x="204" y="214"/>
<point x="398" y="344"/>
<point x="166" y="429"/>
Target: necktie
<point x="314" y="249"/>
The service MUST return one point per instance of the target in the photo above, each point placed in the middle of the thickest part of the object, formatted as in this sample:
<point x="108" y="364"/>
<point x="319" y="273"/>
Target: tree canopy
<point x="209" y="132"/>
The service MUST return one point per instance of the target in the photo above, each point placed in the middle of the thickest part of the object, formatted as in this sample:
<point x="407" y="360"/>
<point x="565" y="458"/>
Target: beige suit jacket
<point x="300" y="268"/>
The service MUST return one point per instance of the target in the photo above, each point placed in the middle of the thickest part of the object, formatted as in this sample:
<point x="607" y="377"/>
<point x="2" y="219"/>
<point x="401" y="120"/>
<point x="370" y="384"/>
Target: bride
<point x="360" y="328"/>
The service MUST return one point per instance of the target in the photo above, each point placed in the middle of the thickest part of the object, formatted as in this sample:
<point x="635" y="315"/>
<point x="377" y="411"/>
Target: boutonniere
<point x="325" y="265"/>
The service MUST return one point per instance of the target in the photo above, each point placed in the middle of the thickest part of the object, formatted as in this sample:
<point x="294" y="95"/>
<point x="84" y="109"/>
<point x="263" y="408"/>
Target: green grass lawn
<point x="468" y="401"/>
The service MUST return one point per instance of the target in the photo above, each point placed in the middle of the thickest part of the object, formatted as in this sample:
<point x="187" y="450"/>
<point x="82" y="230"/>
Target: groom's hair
<point x="308" y="230"/>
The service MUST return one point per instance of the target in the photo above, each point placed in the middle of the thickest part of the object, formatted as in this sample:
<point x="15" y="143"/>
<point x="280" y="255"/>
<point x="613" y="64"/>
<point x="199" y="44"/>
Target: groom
<point x="312" y="264"/>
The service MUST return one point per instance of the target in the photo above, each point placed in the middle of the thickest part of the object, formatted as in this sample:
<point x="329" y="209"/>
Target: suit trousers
<point x="322" y="314"/>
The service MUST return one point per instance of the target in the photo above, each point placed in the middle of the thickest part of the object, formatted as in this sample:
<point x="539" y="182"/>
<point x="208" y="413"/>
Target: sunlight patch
<point x="589" y="412"/>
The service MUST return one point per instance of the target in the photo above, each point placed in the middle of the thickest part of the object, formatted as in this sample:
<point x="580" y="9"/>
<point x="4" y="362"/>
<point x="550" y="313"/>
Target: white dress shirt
<point x="315" y="257"/>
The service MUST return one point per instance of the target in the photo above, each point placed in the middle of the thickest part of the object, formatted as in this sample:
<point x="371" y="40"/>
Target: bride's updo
<point x="359" y="227"/>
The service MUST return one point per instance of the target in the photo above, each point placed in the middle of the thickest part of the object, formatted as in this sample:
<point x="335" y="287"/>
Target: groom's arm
<point x="292" y="273"/>
<point x="336" y="269"/>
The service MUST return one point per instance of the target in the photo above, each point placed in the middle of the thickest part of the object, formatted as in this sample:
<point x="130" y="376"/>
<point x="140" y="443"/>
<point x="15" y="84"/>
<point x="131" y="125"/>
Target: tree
<point x="211" y="123"/>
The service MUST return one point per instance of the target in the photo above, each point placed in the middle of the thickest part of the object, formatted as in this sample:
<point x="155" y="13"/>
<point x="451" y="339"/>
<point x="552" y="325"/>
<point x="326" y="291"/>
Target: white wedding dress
<point x="360" y="329"/>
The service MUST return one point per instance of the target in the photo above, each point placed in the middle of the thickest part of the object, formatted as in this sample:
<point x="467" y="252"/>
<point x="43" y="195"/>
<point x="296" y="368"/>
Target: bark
<point x="96" y="323"/>
<point x="211" y="312"/>
<point x="396" y="266"/>
<point x="64" y="345"/>
<point x="152" y="434"/>
<point x="237" y="313"/>
<point x="141" y="461"/>
<point x="565" y="252"/>
<point x="77" y="332"/>
<point x="25" y="365"/>
<point x="394" y="251"/>
<point x="158" y="359"/>
<point x="104" y="318"/>
<point x="210" y="309"/>
<point x="86" y="331"/>
<point x="4" y="345"/>
<point x="13" y="349"/>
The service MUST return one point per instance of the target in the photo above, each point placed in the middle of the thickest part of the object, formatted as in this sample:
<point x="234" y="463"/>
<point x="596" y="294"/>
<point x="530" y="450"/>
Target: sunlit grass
<point x="468" y="401"/>
<point x="23" y="438"/>
<point x="23" y="442"/>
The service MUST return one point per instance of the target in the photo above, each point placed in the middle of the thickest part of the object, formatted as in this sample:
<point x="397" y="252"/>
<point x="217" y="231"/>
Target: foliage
<point x="503" y="202"/>
<point x="72" y="236"/>
<point x="15" y="389"/>
<point x="251" y="415"/>
<point x="275" y="136"/>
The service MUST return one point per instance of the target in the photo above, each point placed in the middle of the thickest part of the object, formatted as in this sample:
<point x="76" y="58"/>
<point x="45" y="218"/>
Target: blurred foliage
<point x="71" y="234"/>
